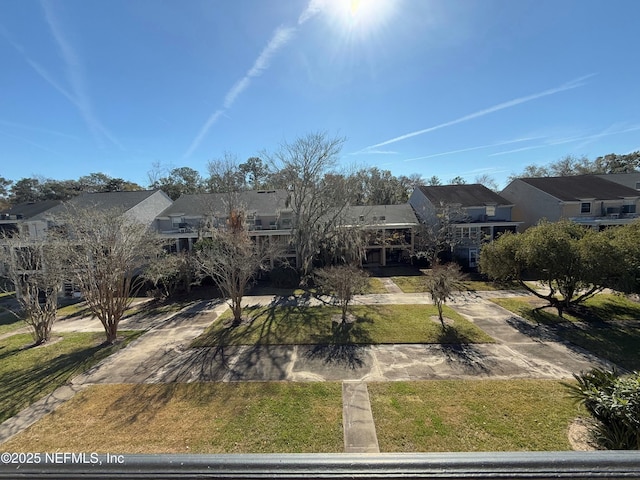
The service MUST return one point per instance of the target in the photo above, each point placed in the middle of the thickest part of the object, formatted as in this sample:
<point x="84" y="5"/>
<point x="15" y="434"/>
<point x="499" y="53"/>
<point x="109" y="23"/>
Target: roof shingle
<point x="581" y="187"/>
<point x="473" y="195"/>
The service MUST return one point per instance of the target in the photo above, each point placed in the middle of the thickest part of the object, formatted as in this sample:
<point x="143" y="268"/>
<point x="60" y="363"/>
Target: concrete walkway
<point x="390" y="285"/>
<point x="357" y="419"/>
<point x="162" y="355"/>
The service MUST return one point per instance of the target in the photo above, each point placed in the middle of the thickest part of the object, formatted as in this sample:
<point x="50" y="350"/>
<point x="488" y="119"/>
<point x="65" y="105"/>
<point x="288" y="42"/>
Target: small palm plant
<point x="614" y="401"/>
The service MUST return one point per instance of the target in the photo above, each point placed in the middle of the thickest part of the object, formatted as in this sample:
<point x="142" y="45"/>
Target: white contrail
<point x="578" y="82"/>
<point x="469" y="149"/>
<point x="22" y="126"/>
<point x="562" y="141"/>
<point x="314" y="7"/>
<point x="203" y="131"/>
<point x="79" y="96"/>
<point x="280" y="37"/>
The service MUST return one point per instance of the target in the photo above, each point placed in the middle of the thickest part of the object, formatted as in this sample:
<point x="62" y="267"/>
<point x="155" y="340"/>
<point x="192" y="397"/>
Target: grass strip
<point x="374" y="285"/>
<point x="375" y="324"/>
<point x="29" y="373"/>
<point x="417" y="284"/>
<point x="472" y="415"/>
<point x="193" y="418"/>
<point x="607" y="325"/>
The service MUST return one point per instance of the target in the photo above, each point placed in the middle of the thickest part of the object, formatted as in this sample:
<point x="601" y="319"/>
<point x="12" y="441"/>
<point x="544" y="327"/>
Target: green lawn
<point x="9" y="322"/>
<point x="416" y="284"/>
<point x="288" y="417"/>
<point x="608" y="325"/>
<point x="28" y="374"/>
<point x="76" y="309"/>
<point x="472" y="415"/>
<point x="80" y="309"/>
<point x="193" y="418"/>
<point x="313" y="325"/>
<point x="374" y="286"/>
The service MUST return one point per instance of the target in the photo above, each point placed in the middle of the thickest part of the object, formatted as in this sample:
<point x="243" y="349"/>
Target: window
<point x="631" y="208"/>
<point x="585" y="207"/>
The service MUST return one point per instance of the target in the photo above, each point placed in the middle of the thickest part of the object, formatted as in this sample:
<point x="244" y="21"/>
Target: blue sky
<point x="436" y="87"/>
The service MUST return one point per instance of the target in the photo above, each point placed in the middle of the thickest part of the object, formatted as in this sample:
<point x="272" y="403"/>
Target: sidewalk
<point x="162" y="355"/>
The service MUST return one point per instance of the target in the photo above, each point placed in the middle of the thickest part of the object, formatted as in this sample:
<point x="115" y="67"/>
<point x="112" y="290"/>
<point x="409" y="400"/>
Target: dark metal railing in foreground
<point x="521" y="465"/>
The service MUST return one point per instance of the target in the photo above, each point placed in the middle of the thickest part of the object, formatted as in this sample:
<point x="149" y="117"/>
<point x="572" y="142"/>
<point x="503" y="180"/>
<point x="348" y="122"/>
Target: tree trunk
<point x="112" y="333"/>
<point x="439" y="305"/>
<point x="560" y="308"/>
<point x="236" y="309"/>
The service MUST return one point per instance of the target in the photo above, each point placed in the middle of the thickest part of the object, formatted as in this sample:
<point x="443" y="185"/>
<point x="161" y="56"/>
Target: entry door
<point x="473" y="257"/>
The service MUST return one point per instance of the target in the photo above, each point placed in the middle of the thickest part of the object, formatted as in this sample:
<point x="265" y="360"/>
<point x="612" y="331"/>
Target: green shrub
<point x="614" y="401"/>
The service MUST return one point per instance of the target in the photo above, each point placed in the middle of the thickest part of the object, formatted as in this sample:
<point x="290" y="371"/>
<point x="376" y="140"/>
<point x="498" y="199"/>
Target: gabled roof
<point x="382" y="214"/>
<point x="262" y="202"/>
<point x="473" y="195"/>
<point x="628" y="179"/>
<point x="104" y="200"/>
<point x="581" y="187"/>
<point x="28" y="210"/>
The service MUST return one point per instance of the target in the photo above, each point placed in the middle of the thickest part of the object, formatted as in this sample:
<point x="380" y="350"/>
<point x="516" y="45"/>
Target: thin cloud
<point x="203" y="132"/>
<point x="578" y="82"/>
<point x="585" y="138"/>
<point x="30" y="142"/>
<point x="75" y="75"/>
<point x="21" y="126"/>
<point x="610" y="130"/>
<point x="281" y="37"/>
<point x="469" y="149"/>
<point x="376" y="152"/>
<point x="313" y="8"/>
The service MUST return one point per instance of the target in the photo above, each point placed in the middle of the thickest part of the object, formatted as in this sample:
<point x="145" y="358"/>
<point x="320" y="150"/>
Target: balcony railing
<point x="529" y="465"/>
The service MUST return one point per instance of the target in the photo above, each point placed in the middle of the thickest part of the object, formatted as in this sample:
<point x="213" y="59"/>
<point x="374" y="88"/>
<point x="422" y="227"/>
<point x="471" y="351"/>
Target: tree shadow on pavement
<point x="536" y="331"/>
<point x="344" y="346"/>
<point x="467" y="357"/>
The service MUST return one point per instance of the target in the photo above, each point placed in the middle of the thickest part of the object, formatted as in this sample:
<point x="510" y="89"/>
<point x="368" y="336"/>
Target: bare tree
<point x="107" y="253"/>
<point x="35" y="269"/>
<point x="457" y="180"/>
<point x="169" y="272"/>
<point x="343" y="282"/>
<point x="317" y="198"/>
<point x="232" y="260"/>
<point x="439" y="235"/>
<point x="488" y="181"/>
<point x="441" y="282"/>
<point x="434" y="180"/>
<point x="225" y="175"/>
